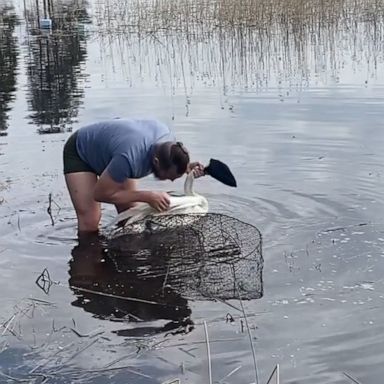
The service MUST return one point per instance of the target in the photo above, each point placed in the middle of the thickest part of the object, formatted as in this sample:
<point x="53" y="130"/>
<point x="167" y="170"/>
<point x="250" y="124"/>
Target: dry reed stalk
<point x="40" y="301"/>
<point x="116" y="296"/>
<point x="351" y="378"/>
<point x="8" y="323"/>
<point x="43" y="364"/>
<point x="76" y="354"/>
<point x="127" y="368"/>
<point x="276" y="371"/>
<point x="208" y="353"/>
<point x="174" y="381"/>
<point x="250" y="339"/>
<point x="118" y="360"/>
<point x="201" y="342"/>
<point x="230" y="374"/>
<point x="16" y="379"/>
<point x="187" y="352"/>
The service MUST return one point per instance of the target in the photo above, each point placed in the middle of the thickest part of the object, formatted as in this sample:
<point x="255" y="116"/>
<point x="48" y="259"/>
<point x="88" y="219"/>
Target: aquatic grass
<point x="192" y="16"/>
<point x="59" y="364"/>
<point x="247" y="43"/>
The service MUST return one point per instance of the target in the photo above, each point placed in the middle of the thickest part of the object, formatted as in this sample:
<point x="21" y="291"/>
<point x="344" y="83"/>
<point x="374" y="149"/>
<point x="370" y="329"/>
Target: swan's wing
<point x="190" y="203"/>
<point x="178" y="205"/>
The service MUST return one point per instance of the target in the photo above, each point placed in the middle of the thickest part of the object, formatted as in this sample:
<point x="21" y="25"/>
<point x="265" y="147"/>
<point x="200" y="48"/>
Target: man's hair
<point x="173" y="154"/>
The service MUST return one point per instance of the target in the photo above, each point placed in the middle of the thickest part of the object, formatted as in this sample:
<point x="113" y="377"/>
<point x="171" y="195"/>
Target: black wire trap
<point x="199" y="256"/>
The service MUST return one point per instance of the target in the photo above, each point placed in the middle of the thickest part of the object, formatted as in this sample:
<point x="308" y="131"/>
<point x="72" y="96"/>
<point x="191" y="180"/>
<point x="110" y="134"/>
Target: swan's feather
<point x="190" y="203"/>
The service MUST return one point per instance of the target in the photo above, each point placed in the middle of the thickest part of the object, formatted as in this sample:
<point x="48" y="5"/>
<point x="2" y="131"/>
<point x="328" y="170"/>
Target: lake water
<point x="290" y="95"/>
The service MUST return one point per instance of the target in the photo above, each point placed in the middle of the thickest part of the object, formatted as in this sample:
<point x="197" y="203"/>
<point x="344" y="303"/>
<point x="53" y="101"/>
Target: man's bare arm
<point x="109" y="191"/>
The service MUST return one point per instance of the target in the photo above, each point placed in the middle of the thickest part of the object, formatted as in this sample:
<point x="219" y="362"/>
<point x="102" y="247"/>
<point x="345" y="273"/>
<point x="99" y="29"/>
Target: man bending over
<point x="103" y="161"/>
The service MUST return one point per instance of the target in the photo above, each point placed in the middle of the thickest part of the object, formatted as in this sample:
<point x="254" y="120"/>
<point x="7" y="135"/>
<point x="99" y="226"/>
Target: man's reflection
<point x="121" y="271"/>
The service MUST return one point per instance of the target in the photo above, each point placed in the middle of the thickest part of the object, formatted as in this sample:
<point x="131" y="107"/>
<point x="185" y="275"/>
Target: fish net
<point x="197" y="256"/>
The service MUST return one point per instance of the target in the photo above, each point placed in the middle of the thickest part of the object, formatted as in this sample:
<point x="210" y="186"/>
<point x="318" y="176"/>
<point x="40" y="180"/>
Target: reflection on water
<point x="131" y="293"/>
<point x="232" y="45"/>
<point x="150" y="275"/>
<point x="282" y="44"/>
<point x="302" y="169"/>
<point x="8" y="63"/>
<point x="55" y="62"/>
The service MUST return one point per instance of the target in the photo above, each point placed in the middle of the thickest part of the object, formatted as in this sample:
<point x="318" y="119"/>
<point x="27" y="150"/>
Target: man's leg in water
<point x="81" y="186"/>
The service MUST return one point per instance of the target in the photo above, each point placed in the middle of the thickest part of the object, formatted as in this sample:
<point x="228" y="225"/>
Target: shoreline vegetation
<point x="246" y="43"/>
<point x="190" y="16"/>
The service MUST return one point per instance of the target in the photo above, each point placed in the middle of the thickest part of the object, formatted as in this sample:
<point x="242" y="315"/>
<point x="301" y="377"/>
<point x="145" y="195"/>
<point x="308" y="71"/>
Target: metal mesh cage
<point x="199" y="256"/>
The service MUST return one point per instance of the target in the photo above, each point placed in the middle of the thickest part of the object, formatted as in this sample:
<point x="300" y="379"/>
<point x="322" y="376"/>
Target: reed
<point x="189" y="16"/>
<point x="245" y="43"/>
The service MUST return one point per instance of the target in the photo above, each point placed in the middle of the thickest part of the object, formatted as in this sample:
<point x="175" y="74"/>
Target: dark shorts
<point x="72" y="161"/>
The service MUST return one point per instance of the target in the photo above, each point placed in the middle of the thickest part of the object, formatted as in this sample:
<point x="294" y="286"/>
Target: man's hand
<point x="159" y="201"/>
<point x="197" y="169"/>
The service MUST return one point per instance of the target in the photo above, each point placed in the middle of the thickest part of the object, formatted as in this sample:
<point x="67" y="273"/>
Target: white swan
<point x="189" y="203"/>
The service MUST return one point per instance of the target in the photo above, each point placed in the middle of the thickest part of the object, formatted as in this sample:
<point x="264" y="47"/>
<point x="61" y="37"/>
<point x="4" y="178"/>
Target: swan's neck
<point x="188" y="185"/>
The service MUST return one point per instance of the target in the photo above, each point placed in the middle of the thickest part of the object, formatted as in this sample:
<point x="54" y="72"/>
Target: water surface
<point x="290" y="95"/>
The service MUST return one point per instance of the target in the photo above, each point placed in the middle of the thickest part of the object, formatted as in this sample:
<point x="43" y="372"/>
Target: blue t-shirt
<point x="122" y="146"/>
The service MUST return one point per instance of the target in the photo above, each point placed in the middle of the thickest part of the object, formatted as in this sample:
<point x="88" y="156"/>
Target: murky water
<point x="290" y="94"/>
